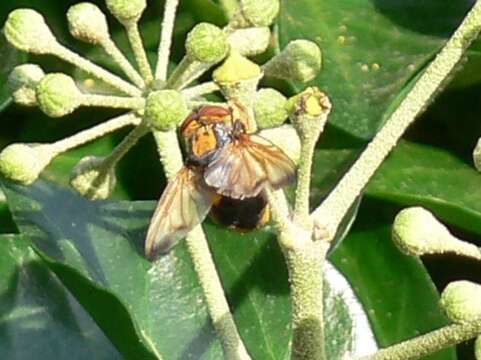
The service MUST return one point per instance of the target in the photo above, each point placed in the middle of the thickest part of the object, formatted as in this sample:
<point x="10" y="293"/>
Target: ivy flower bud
<point x="165" y="109"/>
<point x="24" y="162"/>
<point x="238" y="78"/>
<point x="417" y="232"/>
<point x="92" y="179"/>
<point x="299" y="61"/>
<point x="250" y="41"/>
<point x="259" y="12"/>
<point x="22" y="83"/>
<point x="206" y="43"/>
<point x="58" y="95"/>
<point x="477" y="348"/>
<point x="461" y="301"/>
<point x="286" y="138"/>
<point x="87" y="23"/>
<point x="126" y="10"/>
<point x="26" y="30"/>
<point x="270" y="108"/>
<point x="477" y="155"/>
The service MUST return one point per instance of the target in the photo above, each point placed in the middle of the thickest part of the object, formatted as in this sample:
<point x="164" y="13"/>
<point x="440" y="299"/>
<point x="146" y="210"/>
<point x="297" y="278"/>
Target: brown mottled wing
<point x="184" y="204"/>
<point x="246" y="165"/>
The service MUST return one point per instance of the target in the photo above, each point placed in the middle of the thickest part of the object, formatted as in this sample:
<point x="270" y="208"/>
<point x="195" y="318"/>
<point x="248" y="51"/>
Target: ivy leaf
<point x="370" y="48"/>
<point x="40" y="318"/>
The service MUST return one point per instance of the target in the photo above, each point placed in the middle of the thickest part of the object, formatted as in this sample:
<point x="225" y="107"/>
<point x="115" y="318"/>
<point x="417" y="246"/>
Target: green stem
<point x="171" y="158"/>
<point x="200" y="90"/>
<point x="428" y="344"/>
<point x="186" y="72"/>
<point x="137" y="45"/>
<point x="124" y="146"/>
<point x="166" y="39"/>
<point x="115" y="102"/>
<point x="95" y="70"/>
<point x="331" y="212"/>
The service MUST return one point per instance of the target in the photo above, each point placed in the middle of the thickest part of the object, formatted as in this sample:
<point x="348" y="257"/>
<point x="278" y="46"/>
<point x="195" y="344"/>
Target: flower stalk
<point x="166" y="39"/>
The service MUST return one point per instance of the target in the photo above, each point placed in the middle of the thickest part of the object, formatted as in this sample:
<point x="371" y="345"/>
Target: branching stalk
<point x="171" y="158"/>
<point x="166" y="39"/>
<point x="136" y="43"/>
<point x="330" y="213"/>
<point x="200" y="90"/>
<point x="115" y="102"/>
<point x="428" y="344"/>
<point x="186" y="72"/>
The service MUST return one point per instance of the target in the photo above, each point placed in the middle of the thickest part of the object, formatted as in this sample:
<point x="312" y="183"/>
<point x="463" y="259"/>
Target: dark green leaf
<point x="396" y="291"/>
<point x="40" y="319"/>
<point x="9" y="58"/>
<point x="103" y="240"/>
<point x="371" y="49"/>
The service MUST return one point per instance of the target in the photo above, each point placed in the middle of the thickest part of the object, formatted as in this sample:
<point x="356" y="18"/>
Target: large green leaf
<point x="424" y="175"/>
<point x="102" y="242"/>
<point x="40" y="319"/>
<point x="371" y="49"/>
<point x="396" y="291"/>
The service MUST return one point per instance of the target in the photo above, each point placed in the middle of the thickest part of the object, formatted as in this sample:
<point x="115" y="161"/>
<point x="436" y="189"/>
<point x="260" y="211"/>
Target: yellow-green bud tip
<point x="26" y="30"/>
<point x="87" y="23"/>
<point x="165" y="109"/>
<point x="236" y="68"/>
<point x="270" y="108"/>
<point x="477" y="155"/>
<point x="207" y="43"/>
<point x="126" y="10"/>
<point x="91" y="180"/>
<point x="299" y="61"/>
<point x="311" y="102"/>
<point x="250" y="41"/>
<point x="22" y="83"/>
<point x="23" y="163"/>
<point x="461" y="300"/>
<point x="259" y="12"/>
<point x="58" y="95"/>
<point x="286" y="138"/>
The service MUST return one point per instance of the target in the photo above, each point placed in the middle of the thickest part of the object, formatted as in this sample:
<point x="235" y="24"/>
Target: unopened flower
<point x="461" y="301"/>
<point x="93" y="179"/>
<point x="165" y="109"/>
<point x="88" y="23"/>
<point x="22" y="83"/>
<point x="270" y="108"/>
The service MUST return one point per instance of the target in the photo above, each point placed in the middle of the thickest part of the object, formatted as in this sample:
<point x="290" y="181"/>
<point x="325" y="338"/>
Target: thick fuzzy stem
<point x="171" y="158"/>
<point x="136" y="43"/>
<point x="331" y="212"/>
<point x="166" y="39"/>
<point x="428" y="344"/>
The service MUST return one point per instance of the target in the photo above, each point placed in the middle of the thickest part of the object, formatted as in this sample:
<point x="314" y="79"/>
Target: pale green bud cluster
<point x="299" y="61"/>
<point x="91" y="179"/>
<point x="270" y="108"/>
<point x="58" y="95"/>
<point x="87" y="23"/>
<point x="27" y="31"/>
<point x="126" y="10"/>
<point x="259" y="12"/>
<point x="165" y="109"/>
<point x="24" y="162"/>
<point x="22" y="83"/>
<point x="461" y="300"/>
<point x="250" y="41"/>
<point x="477" y="155"/>
<point x="206" y="43"/>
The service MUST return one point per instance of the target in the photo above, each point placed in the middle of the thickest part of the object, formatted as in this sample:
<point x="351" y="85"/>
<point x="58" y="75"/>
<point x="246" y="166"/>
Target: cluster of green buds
<point x="152" y="100"/>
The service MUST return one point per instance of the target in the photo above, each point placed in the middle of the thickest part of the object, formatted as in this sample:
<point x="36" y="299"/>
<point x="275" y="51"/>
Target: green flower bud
<point x="92" y="180"/>
<point x="206" y="43"/>
<point x="477" y="155"/>
<point x="26" y="30"/>
<point x="165" y="109"/>
<point x="236" y="68"/>
<point x="22" y="83"/>
<point x="299" y="61"/>
<point x="286" y="138"/>
<point x="259" y="12"/>
<point x="126" y="10"/>
<point x="250" y="41"/>
<point x="58" y="95"/>
<point x="270" y="108"/>
<point x="417" y="232"/>
<point x="23" y="162"/>
<point x="87" y="23"/>
<point x="461" y="301"/>
<point x="477" y="348"/>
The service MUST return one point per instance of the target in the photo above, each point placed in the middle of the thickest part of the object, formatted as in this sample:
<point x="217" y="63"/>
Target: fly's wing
<point x="184" y="204"/>
<point x="246" y="165"/>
